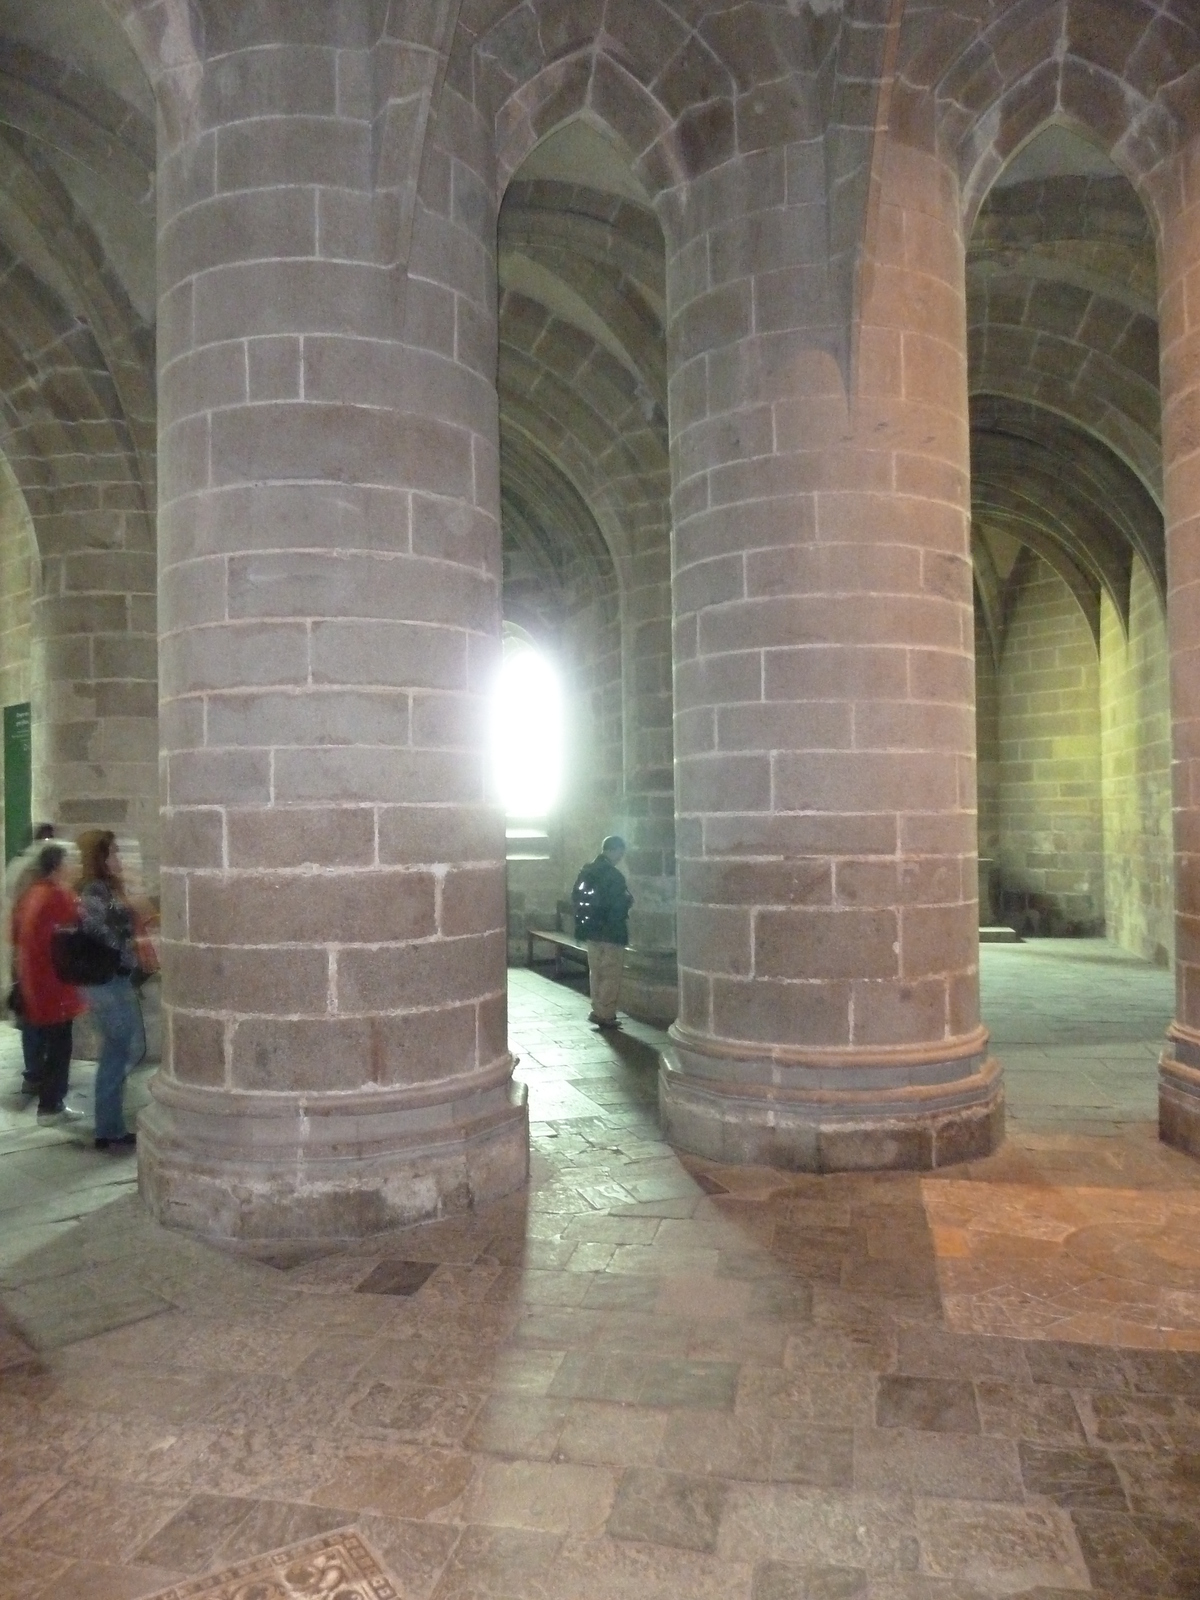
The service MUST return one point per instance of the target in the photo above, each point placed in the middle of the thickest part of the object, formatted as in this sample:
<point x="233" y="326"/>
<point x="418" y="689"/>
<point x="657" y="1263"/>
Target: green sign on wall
<point x="18" y="778"/>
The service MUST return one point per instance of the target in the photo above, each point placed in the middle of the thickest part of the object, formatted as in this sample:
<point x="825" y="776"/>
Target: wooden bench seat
<point x="566" y="947"/>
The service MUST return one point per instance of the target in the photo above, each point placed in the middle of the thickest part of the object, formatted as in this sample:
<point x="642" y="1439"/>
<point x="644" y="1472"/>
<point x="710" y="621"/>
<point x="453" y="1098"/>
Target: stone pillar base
<point x="1179" y="1090"/>
<point x="832" y="1111"/>
<point x="650" y="987"/>
<point x="271" y="1168"/>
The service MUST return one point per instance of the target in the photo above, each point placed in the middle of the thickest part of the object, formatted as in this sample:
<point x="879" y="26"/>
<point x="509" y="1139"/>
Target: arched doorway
<point x="1073" y="717"/>
<point x="584" y="493"/>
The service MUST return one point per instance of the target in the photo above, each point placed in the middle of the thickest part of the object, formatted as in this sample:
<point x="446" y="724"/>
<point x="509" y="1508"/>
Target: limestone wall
<point x="1051" y="824"/>
<point x="1136" y="775"/>
<point x="987" y="745"/>
<point x="17" y="568"/>
<point x="592" y="793"/>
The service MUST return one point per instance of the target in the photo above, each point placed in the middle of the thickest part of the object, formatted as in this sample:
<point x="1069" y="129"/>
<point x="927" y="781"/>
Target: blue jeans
<point x="118" y="1017"/>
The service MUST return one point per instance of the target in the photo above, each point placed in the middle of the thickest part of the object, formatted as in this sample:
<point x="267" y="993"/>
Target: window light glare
<point x="527" y="733"/>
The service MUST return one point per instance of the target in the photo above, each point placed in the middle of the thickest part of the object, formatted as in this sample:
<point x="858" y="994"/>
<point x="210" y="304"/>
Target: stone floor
<point x="1079" y="1026"/>
<point x="645" y="1379"/>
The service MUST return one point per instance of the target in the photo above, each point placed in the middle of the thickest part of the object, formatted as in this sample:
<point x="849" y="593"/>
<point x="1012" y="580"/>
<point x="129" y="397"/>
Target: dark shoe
<point x="29" y="1088"/>
<point x="58" y="1118"/>
<point x="121" y="1142"/>
<point x="607" y="1022"/>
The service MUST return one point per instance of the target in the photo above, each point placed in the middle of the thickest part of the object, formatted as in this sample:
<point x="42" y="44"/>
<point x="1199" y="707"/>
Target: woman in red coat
<point x="49" y="1004"/>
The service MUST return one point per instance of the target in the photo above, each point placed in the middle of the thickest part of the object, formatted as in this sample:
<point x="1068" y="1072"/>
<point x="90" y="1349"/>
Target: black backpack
<point x="82" y="958"/>
<point x="583" y="902"/>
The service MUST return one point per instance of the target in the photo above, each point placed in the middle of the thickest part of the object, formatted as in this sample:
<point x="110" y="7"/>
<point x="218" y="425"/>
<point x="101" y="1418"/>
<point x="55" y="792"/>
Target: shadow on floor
<point x="641" y="1377"/>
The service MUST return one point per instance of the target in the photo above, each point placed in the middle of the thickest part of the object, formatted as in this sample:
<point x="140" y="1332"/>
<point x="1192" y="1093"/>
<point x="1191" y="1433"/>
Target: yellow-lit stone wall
<point x="1136" y="768"/>
<point x="987" y="755"/>
<point x="17" y="553"/>
<point x="1051" y="824"/>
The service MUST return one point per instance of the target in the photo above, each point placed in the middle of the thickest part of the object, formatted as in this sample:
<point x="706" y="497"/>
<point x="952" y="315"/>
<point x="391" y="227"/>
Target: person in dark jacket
<point x="107" y="913"/>
<point x="601" y="899"/>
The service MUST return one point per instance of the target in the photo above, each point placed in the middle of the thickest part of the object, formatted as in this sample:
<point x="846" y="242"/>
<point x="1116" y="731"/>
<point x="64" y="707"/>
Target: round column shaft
<point x="824" y="687"/>
<point x="1179" y="343"/>
<point x="333" y="877"/>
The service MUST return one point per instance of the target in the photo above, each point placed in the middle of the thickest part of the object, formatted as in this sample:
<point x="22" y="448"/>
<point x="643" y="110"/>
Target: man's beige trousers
<point x="605" y="965"/>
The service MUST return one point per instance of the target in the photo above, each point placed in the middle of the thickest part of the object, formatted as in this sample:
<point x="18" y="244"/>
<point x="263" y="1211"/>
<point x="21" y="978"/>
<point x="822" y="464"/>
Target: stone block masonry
<point x="1135" y="732"/>
<point x="333" y="885"/>
<point x="1050" y="804"/>
<point x="1179" y="337"/>
<point x="829" y="1012"/>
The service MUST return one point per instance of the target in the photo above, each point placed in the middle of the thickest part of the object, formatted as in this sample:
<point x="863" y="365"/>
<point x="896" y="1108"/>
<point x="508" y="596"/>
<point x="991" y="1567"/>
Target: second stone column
<point x="824" y="686"/>
<point x="333" y="875"/>
<point x="1179" y="305"/>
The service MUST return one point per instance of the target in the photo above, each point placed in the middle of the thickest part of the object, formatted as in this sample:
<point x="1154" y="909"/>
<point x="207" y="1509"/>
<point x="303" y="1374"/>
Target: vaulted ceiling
<point x="582" y="368"/>
<point x="1066" y="455"/>
<point x="77" y="290"/>
<point x="1061" y="297"/>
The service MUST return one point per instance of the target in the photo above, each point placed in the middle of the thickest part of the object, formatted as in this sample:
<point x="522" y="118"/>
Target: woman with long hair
<point x="49" y="1005"/>
<point x="106" y="912"/>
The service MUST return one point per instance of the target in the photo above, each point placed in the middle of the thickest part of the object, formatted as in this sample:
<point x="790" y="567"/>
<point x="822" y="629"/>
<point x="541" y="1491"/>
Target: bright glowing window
<point x="527" y="729"/>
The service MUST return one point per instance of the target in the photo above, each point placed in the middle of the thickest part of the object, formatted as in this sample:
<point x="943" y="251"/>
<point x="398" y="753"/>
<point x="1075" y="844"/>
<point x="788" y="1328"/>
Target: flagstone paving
<point x="645" y="1377"/>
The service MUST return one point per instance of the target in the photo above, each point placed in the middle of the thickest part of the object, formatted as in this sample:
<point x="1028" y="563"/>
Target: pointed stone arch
<point x="168" y="38"/>
<point x="1121" y="73"/>
<point x="594" y="86"/>
<point x="680" y="98"/>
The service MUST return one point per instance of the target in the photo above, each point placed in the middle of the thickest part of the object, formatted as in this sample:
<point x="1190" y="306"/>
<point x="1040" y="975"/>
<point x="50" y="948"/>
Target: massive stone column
<point x="1179" y="343"/>
<point x="333" y="880"/>
<point x="650" y="989"/>
<point x="824" y="694"/>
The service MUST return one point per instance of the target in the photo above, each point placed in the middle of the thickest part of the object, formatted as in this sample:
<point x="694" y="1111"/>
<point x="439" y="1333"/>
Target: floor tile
<point x="544" y="1497"/>
<point x="1028" y="1411"/>
<point x="933" y="1404"/>
<point x="957" y="1466"/>
<point x="786" y="1522"/>
<point x="1137" y="1555"/>
<point x="1153" y="1421"/>
<point x="93" y="1580"/>
<point x="784" y="1580"/>
<point x="671" y="1508"/>
<point x="497" y="1564"/>
<point x="1010" y="1547"/>
<point x="308" y="1571"/>
<point x="415" y="1554"/>
<point x="419" y="1414"/>
<point x="189" y="1542"/>
<point x="103" y="1523"/>
<point x="1080" y="1478"/>
<point x="272" y="1524"/>
<point x="616" y="1569"/>
<point x="519" y="1426"/>
<point x="1076" y="1366"/>
<point x="612" y="1435"/>
<point x="651" y="1377"/>
<point x="1162" y="1482"/>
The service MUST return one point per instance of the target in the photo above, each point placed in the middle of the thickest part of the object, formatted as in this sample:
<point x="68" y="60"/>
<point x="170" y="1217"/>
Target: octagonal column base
<point x="832" y="1111"/>
<point x="1179" y="1090"/>
<point x="257" y="1169"/>
<point x="650" y="987"/>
